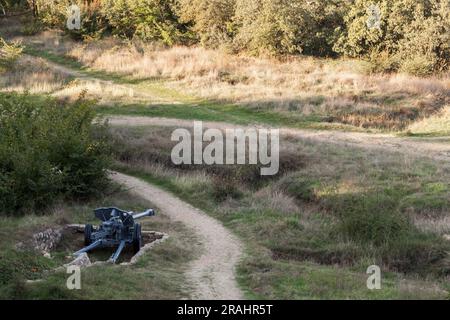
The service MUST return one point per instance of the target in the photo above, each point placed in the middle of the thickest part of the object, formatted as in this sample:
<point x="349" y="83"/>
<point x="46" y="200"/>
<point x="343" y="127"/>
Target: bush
<point x="269" y="27"/>
<point x="211" y="19"/>
<point x="150" y="20"/>
<point x="382" y="62"/>
<point x="9" y="53"/>
<point x="32" y="27"/>
<point x="414" y="33"/>
<point x="224" y="189"/>
<point x="300" y="187"/>
<point x="371" y="218"/>
<point x="53" y="13"/>
<point x="418" y="65"/>
<point x="48" y="151"/>
<point x="288" y="27"/>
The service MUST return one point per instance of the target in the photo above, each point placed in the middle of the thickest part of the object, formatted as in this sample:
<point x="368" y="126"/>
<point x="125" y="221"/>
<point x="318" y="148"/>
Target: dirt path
<point x="109" y="86"/>
<point x="212" y="274"/>
<point x="434" y="148"/>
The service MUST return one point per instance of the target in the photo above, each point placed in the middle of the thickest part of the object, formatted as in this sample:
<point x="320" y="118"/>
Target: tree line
<point x="405" y="35"/>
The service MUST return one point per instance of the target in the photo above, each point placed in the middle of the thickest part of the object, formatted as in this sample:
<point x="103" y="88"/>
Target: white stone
<point x="82" y="261"/>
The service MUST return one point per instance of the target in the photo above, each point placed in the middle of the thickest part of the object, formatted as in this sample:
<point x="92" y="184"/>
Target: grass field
<point x="210" y="85"/>
<point x="328" y="215"/>
<point x="311" y="231"/>
<point x="158" y="275"/>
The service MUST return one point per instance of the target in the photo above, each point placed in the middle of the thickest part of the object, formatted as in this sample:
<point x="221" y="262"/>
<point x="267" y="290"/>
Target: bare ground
<point x="212" y="275"/>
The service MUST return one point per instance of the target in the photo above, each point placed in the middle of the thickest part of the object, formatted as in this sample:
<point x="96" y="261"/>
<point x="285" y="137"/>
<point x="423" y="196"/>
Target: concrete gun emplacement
<point x="118" y="228"/>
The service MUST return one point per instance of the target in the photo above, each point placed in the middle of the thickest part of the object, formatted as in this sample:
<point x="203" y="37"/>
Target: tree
<point x="413" y="34"/>
<point x="211" y="19"/>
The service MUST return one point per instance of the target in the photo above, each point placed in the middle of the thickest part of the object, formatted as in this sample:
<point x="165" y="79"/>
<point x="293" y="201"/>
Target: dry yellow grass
<point x="439" y="225"/>
<point x="335" y="90"/>
<point x="32" y="75"/>
<point x="339" y="89"/>
<point x="436" y="124"/>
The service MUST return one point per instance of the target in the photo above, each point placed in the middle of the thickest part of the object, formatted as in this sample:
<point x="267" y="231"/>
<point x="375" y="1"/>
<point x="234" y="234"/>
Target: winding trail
<point x="212" y="275"/>
<point x="434" y="148"/>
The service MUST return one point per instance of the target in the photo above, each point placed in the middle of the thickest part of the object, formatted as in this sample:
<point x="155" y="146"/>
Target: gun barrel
<point x="146" y="213"/>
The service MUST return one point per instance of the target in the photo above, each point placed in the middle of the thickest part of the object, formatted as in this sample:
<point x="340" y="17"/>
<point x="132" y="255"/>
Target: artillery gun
<point x="118" y="228"/>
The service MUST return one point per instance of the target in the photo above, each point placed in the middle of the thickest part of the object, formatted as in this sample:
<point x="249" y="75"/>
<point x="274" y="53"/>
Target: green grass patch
<point x="158" y="275"/>
<point x="339" y="213"/>
<point x="190" y="107"/>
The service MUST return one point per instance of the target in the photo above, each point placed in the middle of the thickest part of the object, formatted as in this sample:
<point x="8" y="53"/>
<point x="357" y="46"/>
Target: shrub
<point x="414" y="33"/>
<point x="9" y="53"/>
<point x="32" y="27"/>
<point x="287" y="27"/>
<point x="48" y="151"/>
<point x="53" y="13"/>
<point x="300" y="187"/>
<point x="418" y="65"/>
<point x="211" y="20"/>
<point x="223" y="189"/>
<point x="150" y="20"/>
<point x="371" y="218"/>
<point x="270" y="27"/>
<point x="382" y="62"/>
<point x="9" y="5"/>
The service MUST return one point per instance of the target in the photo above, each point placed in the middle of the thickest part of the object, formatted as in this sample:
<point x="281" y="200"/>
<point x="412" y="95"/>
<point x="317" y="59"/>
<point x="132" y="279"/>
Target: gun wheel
<point x="88" y="229"/>
<point x="137" y="238"/>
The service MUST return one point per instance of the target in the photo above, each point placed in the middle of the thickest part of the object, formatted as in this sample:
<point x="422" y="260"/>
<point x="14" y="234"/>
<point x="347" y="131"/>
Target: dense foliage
<point x="150" y="20"/>
<point x="9" y="53"/>
<point x="410" y="35"/>
<point x="48" y="151"/>
<point x="413" y="35"/>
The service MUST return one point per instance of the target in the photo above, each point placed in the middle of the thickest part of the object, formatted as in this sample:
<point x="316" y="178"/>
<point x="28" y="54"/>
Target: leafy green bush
<point x="418" y="65"/>
<point x="48" y="151"/>
<point x="371" y="218"/>
<point x="9" y="53"/>
<point x="211" y="20"/>
<point x="288" y="26"/>
<point x="414" y="35"/>
<point x="54" y="13"/>
<point x="379" y="62"/>
<point x="150" y="20"/>
<point x="269" y="27"/>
